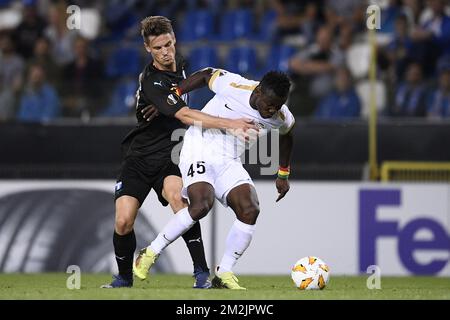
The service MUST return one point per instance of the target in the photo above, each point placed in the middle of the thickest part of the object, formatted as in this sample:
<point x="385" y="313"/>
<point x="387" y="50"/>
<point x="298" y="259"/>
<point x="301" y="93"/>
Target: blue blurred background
<point x="50" y="72"/>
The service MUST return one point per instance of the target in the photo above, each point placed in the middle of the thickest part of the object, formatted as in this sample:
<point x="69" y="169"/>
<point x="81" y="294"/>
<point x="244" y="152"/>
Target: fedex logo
<point x="372" y="228"/>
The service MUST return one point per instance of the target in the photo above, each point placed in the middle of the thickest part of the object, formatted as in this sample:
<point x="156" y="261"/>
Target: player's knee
<point x="175" y="199"/>
<point x="249" y="214"/>
<point x="199" y="210"/>
<point x="123" y="226"/>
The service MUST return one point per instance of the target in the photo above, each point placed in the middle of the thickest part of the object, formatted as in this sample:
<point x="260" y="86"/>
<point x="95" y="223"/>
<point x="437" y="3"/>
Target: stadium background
<point x="67" y="99"/>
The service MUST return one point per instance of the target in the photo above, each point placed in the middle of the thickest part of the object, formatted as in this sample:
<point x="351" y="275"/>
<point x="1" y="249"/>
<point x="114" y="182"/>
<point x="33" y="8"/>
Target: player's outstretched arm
<point x="282" y="182"/>
<point x="197" y="80"/>
<point x="191" y="116"/>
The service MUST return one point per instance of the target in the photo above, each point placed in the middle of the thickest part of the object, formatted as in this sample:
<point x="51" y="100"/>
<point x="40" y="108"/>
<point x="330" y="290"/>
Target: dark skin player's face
<point x="267" y="104"/>
<point x="162" y="49"/>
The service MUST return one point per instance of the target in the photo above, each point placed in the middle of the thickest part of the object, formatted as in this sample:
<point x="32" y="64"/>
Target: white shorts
<point x="223" y="174"/>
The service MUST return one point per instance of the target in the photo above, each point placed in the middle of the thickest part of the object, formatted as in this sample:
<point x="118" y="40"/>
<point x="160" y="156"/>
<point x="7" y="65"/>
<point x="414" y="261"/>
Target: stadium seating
<point x="242" y="59"/>
<point x="90" y="28"/>
<point x="202" y="57"/>
<point x="363" y="90"/>
<point x="266" y="26"/>
<point x="4" y="3"/>
<point x="197" y="25"/>
<point x="279" y="56"/>
<point x="119" y="18"/>
<point x="236" y="24"/>
<point x="124" y="61"/>
<point x="358" y="60"/>
<point x="123" y="99"/>
<point x="10" y="18"/>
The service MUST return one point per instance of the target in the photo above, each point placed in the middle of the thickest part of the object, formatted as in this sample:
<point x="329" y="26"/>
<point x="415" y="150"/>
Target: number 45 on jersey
<point x="199" y="170"/>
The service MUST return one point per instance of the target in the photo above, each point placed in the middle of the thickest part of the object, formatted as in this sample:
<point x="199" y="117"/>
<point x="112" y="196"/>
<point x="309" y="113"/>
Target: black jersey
<point x="156" y="87"/>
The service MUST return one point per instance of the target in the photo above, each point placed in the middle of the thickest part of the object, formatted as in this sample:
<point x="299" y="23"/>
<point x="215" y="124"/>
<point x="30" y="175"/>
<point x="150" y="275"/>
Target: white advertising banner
<point x="402" y="228"/>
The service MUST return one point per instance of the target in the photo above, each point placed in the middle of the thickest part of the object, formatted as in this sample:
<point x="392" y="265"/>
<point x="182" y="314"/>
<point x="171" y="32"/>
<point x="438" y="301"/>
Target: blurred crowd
<point x="50" y="71"/>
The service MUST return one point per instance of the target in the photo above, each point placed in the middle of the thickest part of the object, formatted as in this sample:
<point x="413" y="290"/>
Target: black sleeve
<point x="165" y="100"/>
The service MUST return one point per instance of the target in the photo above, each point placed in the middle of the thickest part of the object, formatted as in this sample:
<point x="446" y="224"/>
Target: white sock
<point x="179" y="224"/>
<point x="238" y="240"/>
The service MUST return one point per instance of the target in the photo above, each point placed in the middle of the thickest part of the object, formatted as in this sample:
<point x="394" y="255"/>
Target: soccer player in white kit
<point x="211" y="167"/>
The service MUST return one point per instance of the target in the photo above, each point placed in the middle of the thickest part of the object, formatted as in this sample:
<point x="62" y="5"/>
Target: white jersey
<point x="232" y="101"/>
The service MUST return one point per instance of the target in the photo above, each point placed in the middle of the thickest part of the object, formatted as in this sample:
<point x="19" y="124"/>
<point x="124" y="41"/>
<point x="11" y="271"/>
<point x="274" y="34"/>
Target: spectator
<point x="401" y="49"/>
<point x="121" y="18"/>
<point x="29" y="30"/>
<point x="438" y="104"/>
<point x="410" y="95"/>
<point x="11" y="70"/>
<point x="319" y="62"/>
<point x="343" y="102"/>
<point x="439" y="26"/>
<point x="389" y="16"/>
<point x="345" y="39"/>
<point x="346" y="11"/>
<point x="433" y="35"/>
<point x="412" y="9"/>
<point x="39" y="101"/>
<point x="310" y="21"/>
<point x="61" y="38"/>
<point x="288" y="17"/>
<point x="313" y="71"/>
<point x="43" y="57"/>
<point x="82" y="77"/>
<point x="344" y="8"/>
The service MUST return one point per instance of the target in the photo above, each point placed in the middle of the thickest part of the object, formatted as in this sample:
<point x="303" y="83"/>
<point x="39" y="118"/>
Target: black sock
<point x="194" y="242"/>
<point x="124" y="247"/>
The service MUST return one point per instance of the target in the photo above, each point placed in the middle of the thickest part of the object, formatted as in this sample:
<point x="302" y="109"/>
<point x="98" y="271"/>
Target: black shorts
<point x="138" y="176"/>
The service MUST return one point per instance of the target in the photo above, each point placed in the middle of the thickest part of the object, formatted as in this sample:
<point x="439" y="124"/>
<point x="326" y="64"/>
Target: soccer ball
<point x="310" y="273"/>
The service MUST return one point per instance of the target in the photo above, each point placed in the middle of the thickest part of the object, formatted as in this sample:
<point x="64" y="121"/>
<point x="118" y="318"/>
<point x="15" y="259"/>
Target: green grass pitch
<point x="168" y="287"/>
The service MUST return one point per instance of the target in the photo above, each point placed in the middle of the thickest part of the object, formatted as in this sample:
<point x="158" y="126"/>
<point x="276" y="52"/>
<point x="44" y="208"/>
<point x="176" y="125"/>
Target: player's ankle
<point x="126" y="276"/>
<point x="199" y="269"/>
<point x="220" y="270"/>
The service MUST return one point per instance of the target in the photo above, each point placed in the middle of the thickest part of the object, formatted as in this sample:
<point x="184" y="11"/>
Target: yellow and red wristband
<point x="283" y="173"/>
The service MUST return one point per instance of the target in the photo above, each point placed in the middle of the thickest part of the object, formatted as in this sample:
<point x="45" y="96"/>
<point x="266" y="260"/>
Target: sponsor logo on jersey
<point x="172" y="99"/>
<point x="260" y="125"/>
<point x="118" y="185"/>
<point x="226" y="106"/>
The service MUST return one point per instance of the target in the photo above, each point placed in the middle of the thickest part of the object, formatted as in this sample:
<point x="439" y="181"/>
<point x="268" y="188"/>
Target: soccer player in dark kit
<point x="148" y="147"/>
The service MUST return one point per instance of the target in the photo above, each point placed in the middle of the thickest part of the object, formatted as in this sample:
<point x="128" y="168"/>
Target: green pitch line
<point x="53" y="286"/>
